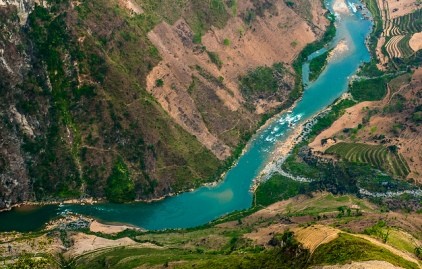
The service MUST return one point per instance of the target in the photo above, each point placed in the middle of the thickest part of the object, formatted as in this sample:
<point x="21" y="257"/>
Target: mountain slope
<point x="91" y="87"/>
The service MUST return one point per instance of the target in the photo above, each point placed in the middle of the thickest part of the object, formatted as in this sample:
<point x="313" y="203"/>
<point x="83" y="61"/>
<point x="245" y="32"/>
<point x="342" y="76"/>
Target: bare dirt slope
<point x="313" y="236"/>
<point x="400" y="8"/>
<point x="86" y="243"/>
<point x="416" y="41"/>
<point x="190" y="91"/>
<point x="132" y="6"/>
<point x="351" y="118"/>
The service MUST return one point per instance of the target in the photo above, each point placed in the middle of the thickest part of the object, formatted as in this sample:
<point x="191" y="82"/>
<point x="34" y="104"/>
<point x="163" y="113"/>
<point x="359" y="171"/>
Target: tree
<point x="26" y="262"/>
<point x="120" y="187"/>
<point x="418" y="252"/>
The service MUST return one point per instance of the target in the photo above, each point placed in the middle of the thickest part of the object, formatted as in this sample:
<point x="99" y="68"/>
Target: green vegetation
<point x="379" y="230"/>
<point x="232" y="4"/>
<point x="299" y="168"/>
<point x="345" y="176"/>
<point x="417" y="114"/>
<point x="204" y="15"/>
<point x="369" y="89"/>
<point x="403" y="46"/>
<point x="28" y="262"/>
<point x="329" y="34"/>
<point x="97" y="108"/>
<point x="377" y="156"/>
<point x="290" y="4"/>
<point x="370" y="69"/>
<point x="349" y="248"/>
<point x="278" y="188"/>
<point x="410" y="23"/>
<point x="215" y="59"/>
<point x="392" y="236"/>
<point x="317" y="65"/>
<point x="120" y="187"/>
<point x="239" y="254"/>
<point x="262" y="80"/>
<point x="159" y="83"/>
<point x="418" y="252"/>
<point x="57" y="159"/>
<point x="226" y="42"/>
<point x="400" y="240"/>
<point x="335" y="112"/>
<point x="231" y="250"/>
<point x="304" y="54"/>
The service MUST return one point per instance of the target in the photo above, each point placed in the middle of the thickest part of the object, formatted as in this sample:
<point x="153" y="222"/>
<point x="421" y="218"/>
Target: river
<point x="198" y="207"/>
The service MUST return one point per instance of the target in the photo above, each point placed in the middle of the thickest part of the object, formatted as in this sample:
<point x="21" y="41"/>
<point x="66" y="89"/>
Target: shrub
<point x="159" y="82"/>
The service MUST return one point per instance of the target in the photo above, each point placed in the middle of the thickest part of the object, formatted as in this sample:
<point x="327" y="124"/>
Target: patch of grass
<point x="379" y="230"/>
<point x="215" y="59"/>
<point x="348" y="248"/>
<point x="399" y="240"/>
<point x="278" y="188"/>
<point x="226" y="42"/>
<point x="233" y="5"/>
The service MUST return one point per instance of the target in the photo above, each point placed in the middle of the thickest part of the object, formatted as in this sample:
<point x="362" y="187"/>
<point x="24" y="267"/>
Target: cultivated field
<point x="400" y="22"/>
<point x="376" y="155"/>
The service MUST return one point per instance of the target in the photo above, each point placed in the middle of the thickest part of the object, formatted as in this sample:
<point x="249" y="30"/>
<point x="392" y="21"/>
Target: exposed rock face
<point x="14" y="179"/>
<point x="23" y="7"/>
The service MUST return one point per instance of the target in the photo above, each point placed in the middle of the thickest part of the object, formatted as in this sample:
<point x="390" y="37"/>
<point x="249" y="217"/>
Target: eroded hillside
<point x="201" y="80"/>
<point x="139" y="99"/>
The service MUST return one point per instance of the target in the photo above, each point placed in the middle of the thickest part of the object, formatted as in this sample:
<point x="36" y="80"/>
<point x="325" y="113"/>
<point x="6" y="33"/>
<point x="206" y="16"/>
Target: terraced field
<point x="408" y="24"/>
<point x="376" y="155"/>
<point x="404" y="47"/>
<point x="399" y="31"/>
<point x="411" y="23"/>
<point x="392" y="46"/>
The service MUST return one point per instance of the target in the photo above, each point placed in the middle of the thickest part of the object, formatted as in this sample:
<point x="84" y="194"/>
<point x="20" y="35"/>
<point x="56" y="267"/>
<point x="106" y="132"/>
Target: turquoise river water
<point x="233" y="193"/>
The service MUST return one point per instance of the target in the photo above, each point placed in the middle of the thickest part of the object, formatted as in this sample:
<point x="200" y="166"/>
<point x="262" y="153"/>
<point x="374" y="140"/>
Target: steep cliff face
<point x="14" y="179"/>
<point x="107" y="98"/>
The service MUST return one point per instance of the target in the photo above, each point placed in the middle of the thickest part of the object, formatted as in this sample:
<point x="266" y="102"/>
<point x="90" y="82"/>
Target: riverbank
<point x="28" y="204"/>
<point x="184" y="247"/>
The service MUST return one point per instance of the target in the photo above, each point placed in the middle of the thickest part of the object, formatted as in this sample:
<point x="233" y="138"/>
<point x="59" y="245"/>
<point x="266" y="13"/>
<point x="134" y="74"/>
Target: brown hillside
<point x="216" y="113"/>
